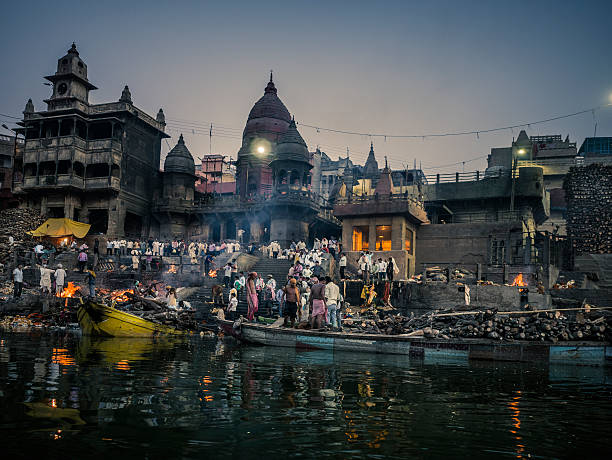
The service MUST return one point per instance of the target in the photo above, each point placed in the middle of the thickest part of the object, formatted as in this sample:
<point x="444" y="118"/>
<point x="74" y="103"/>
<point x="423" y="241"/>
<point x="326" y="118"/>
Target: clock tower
<point x="70" y="82"/>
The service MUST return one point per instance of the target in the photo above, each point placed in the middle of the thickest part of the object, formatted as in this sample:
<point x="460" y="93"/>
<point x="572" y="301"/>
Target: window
<point x="408" y="242"/>
<point x="383" y="237"/>
<point x="361" y="237"/>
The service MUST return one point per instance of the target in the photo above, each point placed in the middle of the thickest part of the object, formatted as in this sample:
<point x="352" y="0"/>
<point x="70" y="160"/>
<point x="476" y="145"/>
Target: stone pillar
<point x="372" y="235"/>
<point x="43" y="206"/>
<point x="256" y="231"/>
<point x="116" y="217"/>
<point x="205" y="230"/>
<point x="222" y="229"/>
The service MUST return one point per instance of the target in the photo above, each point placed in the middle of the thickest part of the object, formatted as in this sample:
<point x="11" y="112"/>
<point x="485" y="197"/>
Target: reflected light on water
<point x="122" y="365"/>
<point x="62" y="356"/>
<point x="516" y="424"/>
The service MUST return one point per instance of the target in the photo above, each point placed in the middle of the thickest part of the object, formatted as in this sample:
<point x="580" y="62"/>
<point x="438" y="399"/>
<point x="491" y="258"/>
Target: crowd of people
<point x="306" y="294"/>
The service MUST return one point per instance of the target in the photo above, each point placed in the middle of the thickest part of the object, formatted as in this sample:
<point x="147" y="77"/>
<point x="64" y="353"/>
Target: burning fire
<point x="70" y="290"/>
<point x="172" y="269"/>
<point x="121" y="295"/>
<point x="212" y="273"/>
<point x="519" y="281"/>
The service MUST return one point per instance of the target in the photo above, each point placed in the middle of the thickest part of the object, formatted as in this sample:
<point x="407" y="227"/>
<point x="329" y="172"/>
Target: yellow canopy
<point x="56" y="228"/>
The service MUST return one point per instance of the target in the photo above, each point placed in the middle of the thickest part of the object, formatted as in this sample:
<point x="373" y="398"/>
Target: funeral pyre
<point x="62" y="311"/>
<point x="585" y="324"/>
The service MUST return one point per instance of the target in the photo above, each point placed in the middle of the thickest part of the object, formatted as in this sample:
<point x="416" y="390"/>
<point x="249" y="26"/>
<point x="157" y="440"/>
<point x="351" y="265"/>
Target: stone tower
<point x="69" y="81"/>
<point x="291" y="208"/>
<point x="178" y="191"/>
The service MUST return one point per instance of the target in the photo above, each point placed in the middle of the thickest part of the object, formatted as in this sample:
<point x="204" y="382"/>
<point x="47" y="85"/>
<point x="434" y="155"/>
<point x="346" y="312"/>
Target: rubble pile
<point x="588" y="192"/>
<point x="15" y="223"/>
<point x="489" y="324"/>
<point x="441" y="274"/>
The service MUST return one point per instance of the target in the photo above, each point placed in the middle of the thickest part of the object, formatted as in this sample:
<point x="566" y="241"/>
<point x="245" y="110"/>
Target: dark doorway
<point x="215" y="231"/>
<point x="55" y="212"/>
<point x="98" y="219"/>
<point x="230" y="229"/>
<point x="132" y="225"/>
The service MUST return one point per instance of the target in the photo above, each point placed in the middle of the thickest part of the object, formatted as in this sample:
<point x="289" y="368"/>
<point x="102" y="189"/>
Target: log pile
<point x="545" y="326"/>
<point x="588" y="192"/>
<point x="15" y="223"/>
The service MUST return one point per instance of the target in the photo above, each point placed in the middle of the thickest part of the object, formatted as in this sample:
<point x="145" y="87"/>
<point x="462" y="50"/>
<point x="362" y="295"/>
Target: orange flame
<point x="212" y="273"/>
<point x="121" y="295"/>
<point x="519" y="281"/>
<point x="172" y="269"/>
<point x="70" y="290"/>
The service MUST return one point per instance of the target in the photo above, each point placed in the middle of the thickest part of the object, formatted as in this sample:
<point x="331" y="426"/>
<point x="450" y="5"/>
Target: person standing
<point x="135" y="260"/>
<point x="251" y="294"/>
<point x="96" y="252"/>
<point x="109" y="248"/>
<point x="317" y="304"/>
<point x="390" y="269"/>
<point x="280" y="300"/>
<point x="17" y="281"/>
<point x="91" y="282"/>
<point x="317" y="270"/>
<point x="342" y="265"/>
<point x="332" y="298"/>
<point x="269" y="294"/>
<point x="232" y="308"/>
<point x="45" y="279"/>
<point x="60" y="277"/>
<point x="292" y="300"/>
<point x="227" y="274"/>
<point x="82" y="259"/>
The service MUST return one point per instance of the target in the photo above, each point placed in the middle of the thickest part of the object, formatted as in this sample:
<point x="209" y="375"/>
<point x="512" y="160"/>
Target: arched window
<point x="295" y="178"/>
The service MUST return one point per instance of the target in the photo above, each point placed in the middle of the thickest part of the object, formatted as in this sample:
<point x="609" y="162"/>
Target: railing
<point x="398" y="197"/>
<point x="465" y="176"/>
<point x="476" y="217"/>
<point x="102" y="183"/>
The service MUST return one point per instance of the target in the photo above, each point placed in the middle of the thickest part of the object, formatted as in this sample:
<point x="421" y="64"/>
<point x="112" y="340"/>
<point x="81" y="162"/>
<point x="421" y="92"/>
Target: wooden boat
<point x="432" y="350"/>
<point x="101" y="320"/>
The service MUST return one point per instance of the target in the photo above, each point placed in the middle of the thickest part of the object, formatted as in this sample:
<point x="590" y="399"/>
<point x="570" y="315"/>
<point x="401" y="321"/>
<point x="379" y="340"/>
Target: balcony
<point x="102" y="183"/>
<point x="52" y="182"/>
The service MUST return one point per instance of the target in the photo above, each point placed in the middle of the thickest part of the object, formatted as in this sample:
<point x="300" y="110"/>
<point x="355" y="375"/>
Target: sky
<point x="386" y="67"/>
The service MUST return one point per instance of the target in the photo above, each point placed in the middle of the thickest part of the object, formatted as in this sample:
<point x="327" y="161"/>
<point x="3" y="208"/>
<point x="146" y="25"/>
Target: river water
<point x="71" y="397"/>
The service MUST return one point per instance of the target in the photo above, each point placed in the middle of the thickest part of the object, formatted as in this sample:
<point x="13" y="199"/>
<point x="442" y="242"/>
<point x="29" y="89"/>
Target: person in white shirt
<point x="17" y="281"/>
<point x="45" y="279"/>
<point x="109" y="248"/>
<point x="332" y="298"/>
<point x="60" y="277"/>
<point x="232" y="307"/>
<point x="227" y="274"/>
<point x="342" y="265"/>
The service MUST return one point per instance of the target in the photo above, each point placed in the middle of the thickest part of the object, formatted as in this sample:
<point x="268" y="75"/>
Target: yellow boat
<point x="102" y="320"/>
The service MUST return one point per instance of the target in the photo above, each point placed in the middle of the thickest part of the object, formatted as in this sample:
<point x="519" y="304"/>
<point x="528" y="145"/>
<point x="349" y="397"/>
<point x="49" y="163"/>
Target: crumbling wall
<point x="588" y="191"/>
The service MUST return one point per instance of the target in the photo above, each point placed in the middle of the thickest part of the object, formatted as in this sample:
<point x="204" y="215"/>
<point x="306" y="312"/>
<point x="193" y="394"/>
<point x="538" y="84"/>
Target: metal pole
<point x="513" y="183"/>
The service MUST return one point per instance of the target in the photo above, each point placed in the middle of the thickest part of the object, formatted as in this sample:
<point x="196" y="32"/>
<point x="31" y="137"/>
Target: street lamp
<point x="514" y="165"/>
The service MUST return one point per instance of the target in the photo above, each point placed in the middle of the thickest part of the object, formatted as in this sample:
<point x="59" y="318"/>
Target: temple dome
<point x="291" y="145"/>
<point x="268" y="116"/>
<point x="179" y="159"/>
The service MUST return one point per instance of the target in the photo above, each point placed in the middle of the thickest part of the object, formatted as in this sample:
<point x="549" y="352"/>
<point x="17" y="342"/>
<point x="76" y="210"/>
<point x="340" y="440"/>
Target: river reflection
<point x="77" y="397"/>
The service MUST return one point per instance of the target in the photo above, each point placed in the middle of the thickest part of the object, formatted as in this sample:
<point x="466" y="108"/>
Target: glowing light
<point x="261" y="149"/>
<point x="519" y="280"/>
<point x="521" y="151"/>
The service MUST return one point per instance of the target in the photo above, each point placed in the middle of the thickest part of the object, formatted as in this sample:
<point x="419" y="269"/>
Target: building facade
<point x="95" y="163"/>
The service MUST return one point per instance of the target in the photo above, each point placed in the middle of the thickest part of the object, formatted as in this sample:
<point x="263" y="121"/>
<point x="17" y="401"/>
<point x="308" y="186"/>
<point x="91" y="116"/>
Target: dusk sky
<point x="389" y="67"/>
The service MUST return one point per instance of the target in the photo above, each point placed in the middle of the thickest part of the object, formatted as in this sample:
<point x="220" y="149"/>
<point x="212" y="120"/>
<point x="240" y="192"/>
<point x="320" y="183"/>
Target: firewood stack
<point x="588" y="192"/>
<point x="489" y="324"/>
<point x="15" y="223"/>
